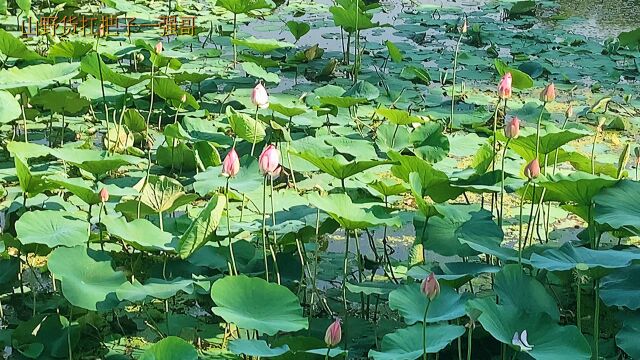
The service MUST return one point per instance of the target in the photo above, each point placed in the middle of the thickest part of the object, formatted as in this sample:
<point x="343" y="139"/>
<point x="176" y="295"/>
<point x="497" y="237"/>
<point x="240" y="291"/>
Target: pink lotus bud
<point x="158" y="47"/>
<point x="104" y="195"/>
<point x="333" y="336"/>
<point x="569" y="112"/>
<point x="504" y="87"/>
<point x="231" y="164"/>
<point x="548" y="94"/>
<point x="260" y="97"/>
<point x="276" y="173"/>
<point x="430" y="286"/>
<point x="269" y="160"/>
<point x="532" y="170"/>
<point x="512" y="128"/>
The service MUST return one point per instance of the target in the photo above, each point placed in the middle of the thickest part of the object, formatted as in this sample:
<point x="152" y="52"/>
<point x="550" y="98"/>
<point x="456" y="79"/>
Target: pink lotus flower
<point x="504" y="87"/>
<point x="231" y="164"/>
<point x="158" y="47"/>
<point x="269" y="160"/>
<point x="512" y="128"/>
<point x="548" y="94"/>
<point x="532" y="170"/>
<point x="260" y="97"/>
<point x="430" y="286"/>
<point x="333" y="336"/>
<point x="104" y="195"/>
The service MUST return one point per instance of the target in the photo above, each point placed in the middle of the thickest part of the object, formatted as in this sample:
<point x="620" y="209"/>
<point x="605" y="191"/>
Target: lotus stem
<point x="264" y="227"/>
<point x="345" y="268"/>
<point x="526" y="188"/>
<point x="501" y="212"/>
<point x="596" y="320"/>
<point x="424" y="332"/>
<point x="593" y="153"/>
<point x="233" y="258"/>
<point x="69" y="332"/>
<point x="469" y="340"/>
<point x="235" y="47"/>
<point x="494" y="149"/>
<point x="151" y="101"/>
<point x="255" y="129"/>
<point x="326" y="356"/>
<point x="544" y="104"/>
<point x="453" y="87"/>
<point x="273" y="223"/>
<point x="578" y="305"/>
<point x="24" y="124"/>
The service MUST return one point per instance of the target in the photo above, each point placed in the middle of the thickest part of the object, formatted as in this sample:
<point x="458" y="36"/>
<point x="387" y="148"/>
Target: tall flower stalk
<point x="463" y="30"/>
<point x="259" y="98"/>
<point x="268" y="162"/>
<point x="511" y="131"/>
<point x="430" y="288"/>
<point x="230" y="168"/>
<point x="531" y="171"/>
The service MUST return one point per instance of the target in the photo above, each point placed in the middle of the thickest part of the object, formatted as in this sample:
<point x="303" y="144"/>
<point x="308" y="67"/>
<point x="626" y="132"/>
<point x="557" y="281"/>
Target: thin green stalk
<point x="424" y="332"/>
<point x="453" y="87"/>
<point x="264" y="227"/>
<point x="69" y="332"/>
<point x="233" y="258"/>
<point x="593" y="153"/>
<point x="235" y="47"/>
<point x="151" y="101"/>
<point x="596" y="320"/>
<point x="526" y="188"/>
<point x="273" y="223"/>
<point x="501" y="213"/>
<point x="326" y="356"/>
<point x="255" y="134"/>
<point x="578" y="305"/>
<point x="544" y="104"/>
<point x="345" y="269"/>
<point x="469" y="340"/>
<point x="24" y="124"/>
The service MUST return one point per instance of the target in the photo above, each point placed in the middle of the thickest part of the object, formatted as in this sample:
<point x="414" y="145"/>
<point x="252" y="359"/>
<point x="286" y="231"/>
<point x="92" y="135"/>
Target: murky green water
<point x="602" y="18"/>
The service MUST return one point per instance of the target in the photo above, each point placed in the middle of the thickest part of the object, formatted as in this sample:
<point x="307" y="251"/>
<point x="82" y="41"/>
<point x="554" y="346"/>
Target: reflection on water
<point x="603" y="18"/>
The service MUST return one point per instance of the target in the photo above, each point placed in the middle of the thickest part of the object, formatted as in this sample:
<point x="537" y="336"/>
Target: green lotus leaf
<point x="94" y="161"/>
<point x="253" y="303"/>
<point x="398" y="117"/>
<point x="246" y="127"/>
<point x="599" y="262"/>
<point x="515" y="288"/>
<point x="288" y="111"/>
<point x="411" y="303"/>
<point x="31" y="184"/>
<point x="394" y="53"/>
<point x="10" y="109"/>
<point x="620" y="288"/>
<point x="79" y="187"/>
<point x="170" y="348"/>
<point x="550" y="341"/>
<point x="40" y="75"/>
<point x="551" y="139"/>
<point x="211" y="180"/>
<point x="362" y="90"/>
<point x="406" y="344"/>
<point x="70" y="49"/>
<point x="262" y="45"/>
<point x="61" y="100"/>
<point x="257" y="348"/>
<point x="88" y="281"/>
<point x="341" y="101"/>
<point x="521" y="80"/>
<point x="429" y="143"/>
<point x="154" y="288"/>
<point x="140" y="233"/>
<point x="617" y="206"/>
<point x="13" y="47"/>
<point x="52" y="228"/>
<point x="351" y="18"/>
<point x="577" y="187"/>
<point x="298" y="29"/>
<point x="202" y="227"/>
<point x="337" y="166"/>
<point x="454" y="274"/>
<point x="350" y="215"/>
<point x="371" y="287"/>
<point x="259" y="72"/>
<point x="627" y="337"/>
<point x="92" y="64"/>
<point x="167" y="89"/>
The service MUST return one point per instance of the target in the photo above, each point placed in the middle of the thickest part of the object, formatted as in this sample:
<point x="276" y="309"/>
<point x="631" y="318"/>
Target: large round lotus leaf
<point x="88" y="280"/>
<point x="406" y="344"/>
<point x="253" y="303"/>
<point x="170" y="348"/>
<point x="550" y="341"/>
<point x="52" y="228"/>
<point x="61" y="100"/>
<point x="39" y="75"/>
<point x="618" y="207"/>
<point x="551" y="138"/>
<point x="598" y="262"/>
<point x="336" y="165"/>
<point x="627" y="337"/>
<point x="154" y="288"/>
<point x="577" y="187"/>
<point x="411" y="304"/>
<point x="620" y="288"/>
<point x="350" y="215"/>
<point x="515" y="288"/>
<point x="258" y="348"/>
<point x="141" y="233"/>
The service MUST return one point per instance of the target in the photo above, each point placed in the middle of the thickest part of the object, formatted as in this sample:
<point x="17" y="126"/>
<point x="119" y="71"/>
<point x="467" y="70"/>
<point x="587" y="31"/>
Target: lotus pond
<point x="246" y="179"/>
